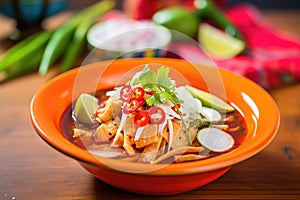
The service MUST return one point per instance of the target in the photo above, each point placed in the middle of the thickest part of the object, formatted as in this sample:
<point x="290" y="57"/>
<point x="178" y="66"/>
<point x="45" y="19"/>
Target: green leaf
<point x="163" y="76"/>
<point x="150" y="101"/>
<point x="164" y="86"/>
<point x="167" y="95"/>
<point x="164" y="80"/>
<point x="147" y="77"/>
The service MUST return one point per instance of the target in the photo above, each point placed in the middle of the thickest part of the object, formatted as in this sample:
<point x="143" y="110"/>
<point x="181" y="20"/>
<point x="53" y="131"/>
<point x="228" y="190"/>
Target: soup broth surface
<point x="235" y="123"/>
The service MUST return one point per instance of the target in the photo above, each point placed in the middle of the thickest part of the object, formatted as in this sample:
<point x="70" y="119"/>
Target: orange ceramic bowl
<point x="254" y="103"/>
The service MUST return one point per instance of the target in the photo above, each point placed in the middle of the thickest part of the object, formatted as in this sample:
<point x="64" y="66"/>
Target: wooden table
<point x="30" y="169"/>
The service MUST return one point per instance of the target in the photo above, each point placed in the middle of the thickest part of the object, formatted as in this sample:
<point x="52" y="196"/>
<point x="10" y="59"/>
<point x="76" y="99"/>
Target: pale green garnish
<point x="210" y="100"/>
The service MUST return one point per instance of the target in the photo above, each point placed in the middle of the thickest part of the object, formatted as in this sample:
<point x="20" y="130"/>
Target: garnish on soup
<point x="152" y="120"/>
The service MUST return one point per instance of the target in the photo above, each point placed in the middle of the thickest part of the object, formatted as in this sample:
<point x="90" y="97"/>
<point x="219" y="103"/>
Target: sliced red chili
<point x="174" y="108"/>
<point x="142" y="102"/>
<point x="157" y="115"/>
<point x="141" y="118"/>
<point x="125" y="93"/>
<point x="138" y="93"/>
<point x="130" y="107"/>
<point x="150" y="92"/>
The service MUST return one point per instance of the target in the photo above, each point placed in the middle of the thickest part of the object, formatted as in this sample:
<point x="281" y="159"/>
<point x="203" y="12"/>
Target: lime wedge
<point x="85" y="108"/>
<point x="209" y="100"/>
<point x="219" y="44"/>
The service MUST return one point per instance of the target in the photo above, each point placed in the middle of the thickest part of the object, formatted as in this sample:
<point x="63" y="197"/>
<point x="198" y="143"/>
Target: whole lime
<point x="179" y="19"/>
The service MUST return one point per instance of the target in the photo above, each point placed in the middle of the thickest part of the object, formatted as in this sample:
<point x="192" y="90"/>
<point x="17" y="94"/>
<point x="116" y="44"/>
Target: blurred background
<point x="266" y="4"/>
<point x="21" y="18"/>
<point x="31" y="13"/>
<point x="33" y="173"/>
<point x="263" y="4"/>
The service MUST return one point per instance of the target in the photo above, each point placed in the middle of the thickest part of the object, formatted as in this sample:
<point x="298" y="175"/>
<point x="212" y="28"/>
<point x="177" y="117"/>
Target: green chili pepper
<point x="62" y="35"/>
<point x="79" y="38"/>
<point x="206" y="9"/>
<point x="8" y="56"/>
<point x="24" y="50"/>
<point x="75" y="47"/>
<point x="21" y="68"/>
<point x="56" y="46"/>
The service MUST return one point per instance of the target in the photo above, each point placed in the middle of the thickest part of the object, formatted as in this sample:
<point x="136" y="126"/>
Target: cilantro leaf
<point x="164" y="86"/>
<point x="150" y="101"/>
<point x="167" y="95"/>
<point x="147" y="77"/>
<point x="163" y="79"/>
<point x="154" y="100"/>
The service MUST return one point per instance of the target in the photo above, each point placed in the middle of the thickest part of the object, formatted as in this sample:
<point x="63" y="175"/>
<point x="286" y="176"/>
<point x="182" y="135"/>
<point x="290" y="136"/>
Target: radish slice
<point x="215" y="139"/>
<point x="211" y="114"/>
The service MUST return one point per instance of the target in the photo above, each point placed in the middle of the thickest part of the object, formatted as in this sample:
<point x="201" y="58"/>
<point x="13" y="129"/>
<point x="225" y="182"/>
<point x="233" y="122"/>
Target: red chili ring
<point x="126" y="93"/>
<point x="157" y="110"/>
<point x="141" y="118"/>
<point x="130" y="107"/>
<point x="138" y="93"/>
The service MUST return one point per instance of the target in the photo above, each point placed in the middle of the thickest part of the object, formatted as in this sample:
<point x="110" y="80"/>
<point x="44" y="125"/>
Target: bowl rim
<point x="223" y="161"/>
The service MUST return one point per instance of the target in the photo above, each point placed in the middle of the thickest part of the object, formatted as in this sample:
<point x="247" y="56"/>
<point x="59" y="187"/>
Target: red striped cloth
<point x="273" y="58"/>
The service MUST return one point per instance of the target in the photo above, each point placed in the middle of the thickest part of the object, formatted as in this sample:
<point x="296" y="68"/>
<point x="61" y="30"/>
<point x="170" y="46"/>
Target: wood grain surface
<point x="30" y="169"/>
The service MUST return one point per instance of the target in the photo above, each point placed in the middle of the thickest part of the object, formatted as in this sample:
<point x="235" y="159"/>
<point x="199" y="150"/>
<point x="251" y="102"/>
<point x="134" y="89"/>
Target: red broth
<point x="236" y="128"/>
